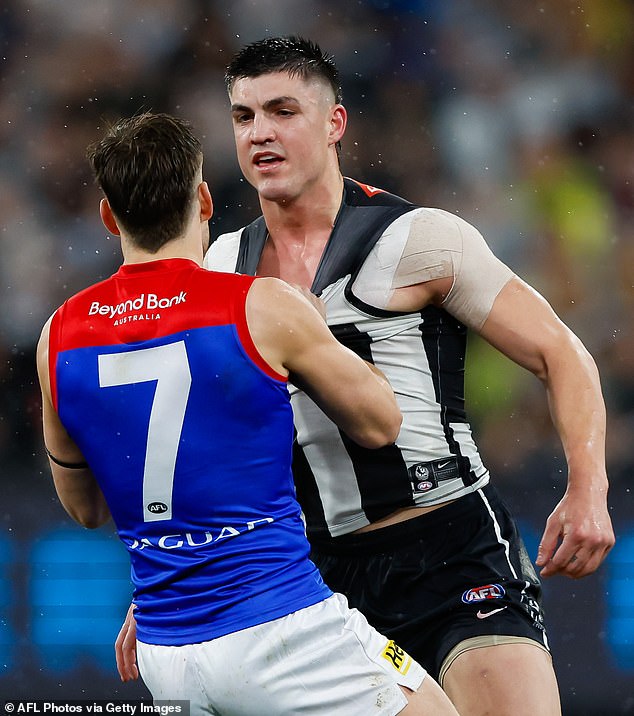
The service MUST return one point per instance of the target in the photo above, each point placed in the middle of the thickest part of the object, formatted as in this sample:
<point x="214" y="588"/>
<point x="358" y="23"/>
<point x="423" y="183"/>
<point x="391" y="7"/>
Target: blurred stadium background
<point x="517" y="116"/>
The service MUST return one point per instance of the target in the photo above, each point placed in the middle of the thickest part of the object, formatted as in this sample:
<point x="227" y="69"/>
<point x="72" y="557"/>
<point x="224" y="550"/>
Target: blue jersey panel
<point x="191" y="444"/>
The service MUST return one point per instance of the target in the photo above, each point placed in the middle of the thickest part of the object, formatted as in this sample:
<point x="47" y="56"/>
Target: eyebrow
<point x="268" y="105"/>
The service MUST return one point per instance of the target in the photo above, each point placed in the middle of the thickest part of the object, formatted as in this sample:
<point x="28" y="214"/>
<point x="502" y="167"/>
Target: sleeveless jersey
<point x="340" y="485"/>
<point x="189" y="434"/>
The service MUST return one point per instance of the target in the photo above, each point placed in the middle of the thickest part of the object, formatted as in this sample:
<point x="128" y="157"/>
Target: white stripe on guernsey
<point x="498" y="533"/>
<point x="330" y="464"/>
<point x="421" y="437"/>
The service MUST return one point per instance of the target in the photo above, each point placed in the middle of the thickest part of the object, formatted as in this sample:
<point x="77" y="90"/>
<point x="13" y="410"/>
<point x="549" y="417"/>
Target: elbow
<point x="93" y="522"/>
<point x="381" y="435"/>
<point x="91" y="518"/>
<point x="564" y="352"/>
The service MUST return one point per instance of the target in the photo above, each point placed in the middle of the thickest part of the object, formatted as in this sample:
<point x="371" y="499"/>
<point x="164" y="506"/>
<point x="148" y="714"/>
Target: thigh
<point x="514" y="679"/>
<point x="502" y="594"/>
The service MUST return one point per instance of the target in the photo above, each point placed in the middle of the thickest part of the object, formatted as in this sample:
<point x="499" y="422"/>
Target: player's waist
<point x="426" y="477"/>
<point x="426" y="526"/>
<point x="191" y="620"/>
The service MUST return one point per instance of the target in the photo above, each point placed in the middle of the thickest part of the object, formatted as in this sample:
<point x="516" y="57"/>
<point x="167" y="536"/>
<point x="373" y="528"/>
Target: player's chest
<point x="294" y="262"/>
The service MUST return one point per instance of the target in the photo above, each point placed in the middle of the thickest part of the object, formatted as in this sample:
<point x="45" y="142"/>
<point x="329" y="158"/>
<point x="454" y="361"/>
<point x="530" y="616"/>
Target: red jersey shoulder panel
<point x="148" y="300"/>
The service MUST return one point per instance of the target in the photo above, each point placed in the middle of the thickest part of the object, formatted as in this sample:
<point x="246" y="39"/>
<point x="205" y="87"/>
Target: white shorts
<point x="324" y="659"/>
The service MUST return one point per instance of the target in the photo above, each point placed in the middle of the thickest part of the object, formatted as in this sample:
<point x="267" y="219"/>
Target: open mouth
<point x="266" y="160"/>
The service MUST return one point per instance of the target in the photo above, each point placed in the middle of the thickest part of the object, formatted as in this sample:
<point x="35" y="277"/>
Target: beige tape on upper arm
<point x="441" y="245"/>
<point x="432" y="248"/>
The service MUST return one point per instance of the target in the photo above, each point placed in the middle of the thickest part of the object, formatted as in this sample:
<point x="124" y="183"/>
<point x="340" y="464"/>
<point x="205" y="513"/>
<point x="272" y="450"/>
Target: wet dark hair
<point x="146" y="166"/>
<point x="294" y="55"/>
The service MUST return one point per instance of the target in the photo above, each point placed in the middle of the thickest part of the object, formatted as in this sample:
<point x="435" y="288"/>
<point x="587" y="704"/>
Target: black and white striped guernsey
<point x="340" y="485"/>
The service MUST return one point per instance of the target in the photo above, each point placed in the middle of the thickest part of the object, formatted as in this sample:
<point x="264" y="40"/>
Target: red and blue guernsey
<point x="189" y="434"/>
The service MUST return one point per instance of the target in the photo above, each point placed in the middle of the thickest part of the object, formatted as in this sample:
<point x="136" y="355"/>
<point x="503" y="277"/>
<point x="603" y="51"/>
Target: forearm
<point x="80" y="495"/>
<point x="362" y="404"/>
<point x="578" y="532"/>
<point x="383" y="416"/>
<point x="578" y="413"/>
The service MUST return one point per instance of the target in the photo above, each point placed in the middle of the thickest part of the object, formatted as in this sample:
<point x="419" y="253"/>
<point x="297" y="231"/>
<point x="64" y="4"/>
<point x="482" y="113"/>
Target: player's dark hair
<point x="146" y="166"/>
<point x="295" y="55"/>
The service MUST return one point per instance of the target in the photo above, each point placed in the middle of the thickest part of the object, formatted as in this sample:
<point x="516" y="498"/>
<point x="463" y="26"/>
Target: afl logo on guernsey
<point x="487" y="591"/>
<point x="157" y="508"/>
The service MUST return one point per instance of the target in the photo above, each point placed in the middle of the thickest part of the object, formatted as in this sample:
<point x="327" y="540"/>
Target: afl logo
<point x="157" y="508"/>
<point x="487" y="591"/>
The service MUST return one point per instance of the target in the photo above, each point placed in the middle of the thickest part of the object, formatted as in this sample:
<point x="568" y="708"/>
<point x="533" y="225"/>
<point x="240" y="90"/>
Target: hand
<point x="582" y="523"/>
<point x="125" y="648"/>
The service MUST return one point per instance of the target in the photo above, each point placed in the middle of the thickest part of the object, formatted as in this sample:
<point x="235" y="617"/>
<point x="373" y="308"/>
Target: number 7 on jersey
<point x="168" y="365"/>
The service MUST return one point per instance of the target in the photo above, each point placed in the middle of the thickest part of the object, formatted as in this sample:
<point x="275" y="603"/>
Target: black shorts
<point x="431" y="582"/>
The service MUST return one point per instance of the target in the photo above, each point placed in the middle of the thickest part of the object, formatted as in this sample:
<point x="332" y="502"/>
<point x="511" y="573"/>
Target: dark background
<point x="517" y="116"/>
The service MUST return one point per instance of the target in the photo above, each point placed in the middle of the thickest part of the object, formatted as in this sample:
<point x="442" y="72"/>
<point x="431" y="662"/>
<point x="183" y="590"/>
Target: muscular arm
<point x="445" y="261"/>
<point x="76" y="488"/>
<point x="293" y="338"/>
<point x="523" y="326"/>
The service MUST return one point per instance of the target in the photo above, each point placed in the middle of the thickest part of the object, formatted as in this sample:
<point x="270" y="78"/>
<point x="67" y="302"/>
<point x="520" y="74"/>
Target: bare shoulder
<point x="278" y="299"/>
<point x="42" y="349"/>
<point x="282" y="322"/>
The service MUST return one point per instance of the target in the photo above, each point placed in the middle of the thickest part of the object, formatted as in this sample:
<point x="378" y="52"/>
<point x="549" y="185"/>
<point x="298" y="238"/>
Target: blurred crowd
<point x="517" y="116"/>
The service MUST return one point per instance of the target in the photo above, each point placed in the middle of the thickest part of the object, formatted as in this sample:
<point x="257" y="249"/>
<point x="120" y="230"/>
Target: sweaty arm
<point x="74" y="482"/>
<point x="293" y="338"/>
<point x="435" y="257"/>
<point x="524" y="327"/>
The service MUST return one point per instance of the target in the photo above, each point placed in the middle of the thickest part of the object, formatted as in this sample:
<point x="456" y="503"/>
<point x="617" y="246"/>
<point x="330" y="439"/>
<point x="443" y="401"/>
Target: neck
<point x="314" y="210"/>
<point x="139" y="256"/>
<point x="189" y="245"/>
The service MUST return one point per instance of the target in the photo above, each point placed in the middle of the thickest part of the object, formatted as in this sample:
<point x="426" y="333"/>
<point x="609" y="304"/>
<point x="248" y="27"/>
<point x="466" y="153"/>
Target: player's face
<point x="286" y="130"/>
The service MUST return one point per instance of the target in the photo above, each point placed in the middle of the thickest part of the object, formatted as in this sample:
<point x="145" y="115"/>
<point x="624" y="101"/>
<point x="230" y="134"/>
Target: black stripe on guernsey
<point x="252" y="242"/>
<point x="361" y="220"/>
<point x="343" y="256"/>
<point x="379" y="496"/>
<point x="366" y="307"/>
<point x="445" y="342"/>
<point x="307" y="491"/>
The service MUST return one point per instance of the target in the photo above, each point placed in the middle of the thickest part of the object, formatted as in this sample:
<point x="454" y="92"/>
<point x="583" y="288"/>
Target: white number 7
<point x="169" y="367"/>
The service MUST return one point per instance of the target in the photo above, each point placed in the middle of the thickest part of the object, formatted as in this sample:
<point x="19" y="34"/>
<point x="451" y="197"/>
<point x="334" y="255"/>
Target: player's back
<point x="188" y="431"/>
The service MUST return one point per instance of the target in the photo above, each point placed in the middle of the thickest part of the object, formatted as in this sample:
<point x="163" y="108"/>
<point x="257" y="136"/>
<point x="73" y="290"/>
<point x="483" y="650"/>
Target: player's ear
<point x="338" y="122"/>
<point x="108" y="217"/>
<point x="205" y="201"/>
